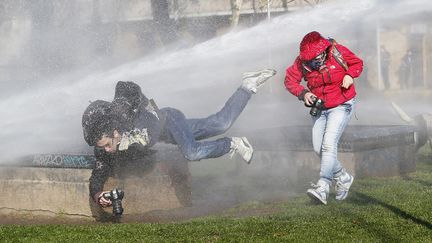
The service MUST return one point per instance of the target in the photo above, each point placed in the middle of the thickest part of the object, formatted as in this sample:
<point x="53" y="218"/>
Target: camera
<point x="116" y="197"/>
<point x="317" y="106"/>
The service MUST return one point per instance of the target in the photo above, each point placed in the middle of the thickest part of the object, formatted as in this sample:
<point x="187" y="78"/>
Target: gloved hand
<point x="101" y="200"/>
<point x="135" y="136"/>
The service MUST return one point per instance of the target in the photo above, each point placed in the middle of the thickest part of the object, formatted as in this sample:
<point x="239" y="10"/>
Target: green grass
<point x="396" y="209"/>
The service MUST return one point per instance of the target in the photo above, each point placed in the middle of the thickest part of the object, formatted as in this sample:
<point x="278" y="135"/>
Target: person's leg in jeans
<point x="337" y="119"/>
<point x="326" y="132"/>
<point x="185" y="132"/>
<point x="181" y="132"/>
<point x="221" y="121"/>
<point x="341" y="177"/>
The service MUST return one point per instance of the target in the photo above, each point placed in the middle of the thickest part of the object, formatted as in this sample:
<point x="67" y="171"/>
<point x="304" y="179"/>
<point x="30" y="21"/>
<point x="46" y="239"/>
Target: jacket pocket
<point x="348" y="105"/>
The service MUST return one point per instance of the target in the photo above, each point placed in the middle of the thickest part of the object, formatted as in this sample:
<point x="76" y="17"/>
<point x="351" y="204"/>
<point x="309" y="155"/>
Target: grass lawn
<point x="396" y="209"/>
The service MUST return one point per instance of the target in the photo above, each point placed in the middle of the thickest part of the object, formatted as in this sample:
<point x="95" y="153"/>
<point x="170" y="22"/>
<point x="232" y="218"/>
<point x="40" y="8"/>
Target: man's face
<point x="109" y="144"/>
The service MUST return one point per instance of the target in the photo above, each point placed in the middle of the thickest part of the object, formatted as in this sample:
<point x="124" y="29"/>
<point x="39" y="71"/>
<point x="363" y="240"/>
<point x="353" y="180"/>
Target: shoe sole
<point x="346" y="194"/>
<point x="314" y="196"/>
<point x="260" y="74"/>
<point x="249" y="146"/>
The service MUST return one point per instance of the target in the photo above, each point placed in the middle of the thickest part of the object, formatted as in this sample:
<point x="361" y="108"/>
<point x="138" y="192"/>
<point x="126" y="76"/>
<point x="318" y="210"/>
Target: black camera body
<point x="116" y="197"/>
<point x="316" y="107"/>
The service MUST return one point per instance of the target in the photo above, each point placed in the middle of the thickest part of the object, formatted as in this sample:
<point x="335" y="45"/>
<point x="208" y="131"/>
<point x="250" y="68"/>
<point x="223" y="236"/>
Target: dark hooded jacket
<point x="131" y="110"/>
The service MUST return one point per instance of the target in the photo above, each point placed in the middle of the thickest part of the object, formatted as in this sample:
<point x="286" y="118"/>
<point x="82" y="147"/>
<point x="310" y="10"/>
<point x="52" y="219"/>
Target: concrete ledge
<point x="148" y="185"/>
<point x="162" y="180"/>
<point x="390" y="161"/>
<point x="45" y="190"/>
<point x="363" y="150"/>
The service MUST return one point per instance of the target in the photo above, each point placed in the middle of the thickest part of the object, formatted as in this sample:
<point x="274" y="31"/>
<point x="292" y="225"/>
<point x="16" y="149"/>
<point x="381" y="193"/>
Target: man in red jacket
<point x="328" y="69"/>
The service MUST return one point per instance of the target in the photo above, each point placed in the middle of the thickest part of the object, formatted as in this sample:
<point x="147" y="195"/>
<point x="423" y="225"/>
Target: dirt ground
<point x="159" y="216"/>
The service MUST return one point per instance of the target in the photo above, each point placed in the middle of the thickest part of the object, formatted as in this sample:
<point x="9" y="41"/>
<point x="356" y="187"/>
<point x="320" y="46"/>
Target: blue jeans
<point x="326" y="132"/>
<point x="185" y="132"/>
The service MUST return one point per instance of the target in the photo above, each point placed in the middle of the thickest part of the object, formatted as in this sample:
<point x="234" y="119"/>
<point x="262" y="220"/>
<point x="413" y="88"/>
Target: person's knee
<point x="192" y="156"/>
<point x="192" y="153"/>
<point x="317" y="149"/>
<point x="224" y="126"/>
<point x="328" y="148"/>
<point x="219" y="122"/>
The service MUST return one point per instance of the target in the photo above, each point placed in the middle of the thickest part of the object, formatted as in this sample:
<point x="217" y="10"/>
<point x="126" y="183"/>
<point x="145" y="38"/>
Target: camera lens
<point x="316" y="107"/>
<point x="117" y="207"/>
<point x="314" y="111"/>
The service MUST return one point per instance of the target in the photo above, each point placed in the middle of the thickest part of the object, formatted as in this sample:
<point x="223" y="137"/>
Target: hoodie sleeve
<point x="355" y="64"/>
<point x="293" y="78"/>
<point x="100" y="173"/>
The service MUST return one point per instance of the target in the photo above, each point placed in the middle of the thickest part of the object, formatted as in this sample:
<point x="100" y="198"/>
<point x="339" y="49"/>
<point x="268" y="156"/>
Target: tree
<point x="163" y="23"/>
<point x="235" y="8"/>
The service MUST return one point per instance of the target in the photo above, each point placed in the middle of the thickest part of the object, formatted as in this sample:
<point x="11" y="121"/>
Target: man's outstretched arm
<point x="99" y="176"/>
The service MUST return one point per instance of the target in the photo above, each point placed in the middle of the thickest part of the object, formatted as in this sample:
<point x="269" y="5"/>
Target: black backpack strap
<point x="305" y="70"/>
<point x="154" y="109"/>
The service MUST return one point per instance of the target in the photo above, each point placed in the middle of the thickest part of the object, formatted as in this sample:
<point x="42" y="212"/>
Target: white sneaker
<point x="319" y="192"/>
<point x="343" y="184"/>
<point x="253" y="80"/>
<point x="242" y="147"/>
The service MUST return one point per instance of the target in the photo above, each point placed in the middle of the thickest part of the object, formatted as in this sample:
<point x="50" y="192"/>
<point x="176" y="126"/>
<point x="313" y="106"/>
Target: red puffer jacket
<point x="325" y="83"/>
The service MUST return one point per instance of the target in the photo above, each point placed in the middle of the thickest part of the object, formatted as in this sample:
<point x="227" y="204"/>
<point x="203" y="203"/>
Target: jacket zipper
<point x="322" y="76"/>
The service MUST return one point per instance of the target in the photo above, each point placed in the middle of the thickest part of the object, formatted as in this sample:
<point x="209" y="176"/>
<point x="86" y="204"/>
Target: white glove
<point x="134" y="136"/>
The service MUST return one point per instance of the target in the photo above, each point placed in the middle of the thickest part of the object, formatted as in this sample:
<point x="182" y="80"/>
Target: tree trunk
<point x="163" y="23"/>
<point x="235" y="8"/>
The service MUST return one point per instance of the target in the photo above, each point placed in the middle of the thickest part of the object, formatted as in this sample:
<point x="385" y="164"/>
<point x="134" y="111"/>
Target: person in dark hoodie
<point x="132" y="124"/>
<point x="329" y="70"/>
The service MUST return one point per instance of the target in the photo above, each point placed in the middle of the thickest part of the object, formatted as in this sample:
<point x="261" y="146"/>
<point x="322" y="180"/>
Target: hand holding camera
<point x="309" y="99"/>
<point x="114" y="198"/>
<point x="316" y="104"/>
<point x="101" y="200"/>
